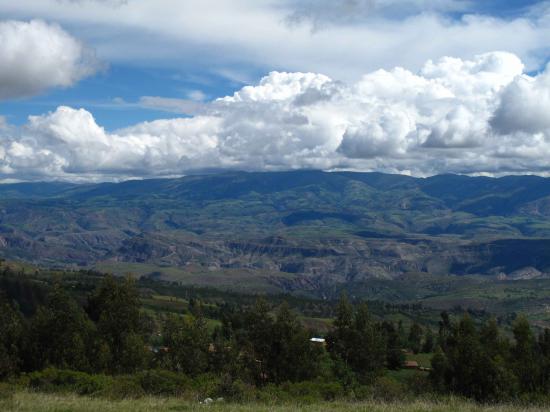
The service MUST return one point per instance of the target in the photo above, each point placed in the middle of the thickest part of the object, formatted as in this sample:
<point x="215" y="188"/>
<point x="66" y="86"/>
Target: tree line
<point x="111" y="333"/>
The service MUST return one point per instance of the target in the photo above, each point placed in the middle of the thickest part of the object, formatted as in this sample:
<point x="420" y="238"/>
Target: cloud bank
<point x="340" y="38"/>
<point x="483" y="115"/>
<point x="36" y="56"/>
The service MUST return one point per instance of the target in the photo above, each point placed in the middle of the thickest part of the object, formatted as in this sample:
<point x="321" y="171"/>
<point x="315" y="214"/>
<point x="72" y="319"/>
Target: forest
<point x="95" y="335"/>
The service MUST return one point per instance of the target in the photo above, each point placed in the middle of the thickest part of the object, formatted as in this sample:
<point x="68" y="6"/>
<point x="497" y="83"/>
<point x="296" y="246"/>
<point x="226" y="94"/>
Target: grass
<point x="34" y="402"/>
<point x="423" y="359"/>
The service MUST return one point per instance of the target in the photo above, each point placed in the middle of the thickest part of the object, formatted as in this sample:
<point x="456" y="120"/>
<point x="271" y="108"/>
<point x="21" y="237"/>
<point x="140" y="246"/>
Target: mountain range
<point x="284" y="231"/>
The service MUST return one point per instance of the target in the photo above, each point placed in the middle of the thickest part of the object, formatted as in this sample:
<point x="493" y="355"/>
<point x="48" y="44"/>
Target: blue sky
<point x="405" y="86"/>
<point x="102" y="93"/>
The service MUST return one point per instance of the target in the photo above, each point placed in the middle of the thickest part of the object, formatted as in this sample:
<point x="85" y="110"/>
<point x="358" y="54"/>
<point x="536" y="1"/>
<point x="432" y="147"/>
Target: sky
<point x="108" y="90"/>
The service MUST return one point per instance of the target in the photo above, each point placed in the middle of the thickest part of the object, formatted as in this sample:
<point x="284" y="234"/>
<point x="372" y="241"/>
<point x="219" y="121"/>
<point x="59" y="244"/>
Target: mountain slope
<point x="302" y="229"/>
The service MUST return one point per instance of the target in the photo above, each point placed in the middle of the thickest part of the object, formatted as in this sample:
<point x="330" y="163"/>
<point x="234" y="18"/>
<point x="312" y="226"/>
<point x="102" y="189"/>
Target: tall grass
<point x="23" y="401"/>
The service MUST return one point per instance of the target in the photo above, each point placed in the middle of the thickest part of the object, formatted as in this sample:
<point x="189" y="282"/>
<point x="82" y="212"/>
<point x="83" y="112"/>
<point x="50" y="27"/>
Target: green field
<point x="34" y="402"/>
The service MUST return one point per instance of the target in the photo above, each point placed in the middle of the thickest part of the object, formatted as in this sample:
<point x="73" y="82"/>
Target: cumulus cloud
<point x="483" y="115"/>
<point x="524" y="106"/>
<point x="36" y="56"/>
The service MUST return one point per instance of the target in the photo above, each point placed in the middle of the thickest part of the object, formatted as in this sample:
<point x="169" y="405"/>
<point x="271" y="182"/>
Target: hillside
<point x="303" y="230"/>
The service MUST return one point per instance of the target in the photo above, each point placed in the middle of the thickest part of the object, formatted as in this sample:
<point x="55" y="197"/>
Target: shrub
<point x="272" y="394"/>
<point x="6" y="392"/>
<point x="160" y="382"/>
<point x="311" y="391"/>
<point x="125" y="387"/>
<point x="419" y="384"/>
<point x="206" y="386"/>
<point x="387" y="389"/>
<point x="236" y="390"/>
<point x="362" y="392"/>
<point x="60" y="380"/>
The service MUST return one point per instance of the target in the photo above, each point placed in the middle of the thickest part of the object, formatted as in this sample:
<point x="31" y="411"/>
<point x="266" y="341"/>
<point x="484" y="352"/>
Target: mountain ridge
<point x="309" y="228"/>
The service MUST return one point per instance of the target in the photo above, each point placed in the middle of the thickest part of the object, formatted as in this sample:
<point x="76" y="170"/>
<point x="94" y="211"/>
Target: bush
<point x="206" y="386"/>
<point x="60" y="380"/>
<point x="272" y="394"/>
<point x="126" y="387"/>
<point x="311" y="391"/>
<point x="236" y="390"/>
<point x="419" y="384"/>
<point x="163" y="383"/>
<point x="362" y="392"/>
<point x="6" y="392"/>
<point x="387" y="389"/>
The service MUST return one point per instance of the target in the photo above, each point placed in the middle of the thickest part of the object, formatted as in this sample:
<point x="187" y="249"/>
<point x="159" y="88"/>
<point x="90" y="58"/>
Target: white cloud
<point x="525" y="106"/>
<point x="197" y="95"/>
<point x="36" y="56"/>
<point x="355" y="35"/>
<point x="170" y="104"/>
<point x="482" y="116"/>
<point x="337" y="12"/>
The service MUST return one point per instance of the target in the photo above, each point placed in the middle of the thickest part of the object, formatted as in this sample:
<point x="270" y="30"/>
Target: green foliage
<point x="429" y="343"/>
<point x="59" y="380"/>
<point x="236" y="390"/>
<point x="356" y="342"/>
<point x="7" y="391"/>
<point x="188" y="341"/>
<point x="415" y="337"/>
<point x="126" y="387"/>
<point x="479" y="362"/>
<point x="292" y="357"/>
<point x="11" y="335"/>
<point x="60" y="335"/>
<point x="273" y="348"/>
<point x="388" y="390"/>
<point x="115" y="307"/>
<point x="159" y="382"/>
<point x="395" y="358"/>
<point x="524" y="356"/>
<point x="259" y="351"/>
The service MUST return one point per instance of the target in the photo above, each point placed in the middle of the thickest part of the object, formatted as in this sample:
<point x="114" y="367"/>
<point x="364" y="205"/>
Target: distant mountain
<point x="287" y="230"/>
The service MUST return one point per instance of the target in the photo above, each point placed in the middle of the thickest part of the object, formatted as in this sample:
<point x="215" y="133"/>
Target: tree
<point x="356" y="342"/>
<point x="441" y="372"/>
<point x="544" y="350"/>
<point x="60" y="334"/>
<point x="339" y="341"/>
<point x="369" y="347"/>
<point x="415" y="337"/>
<point x="115" y="307"/>
<point x="11" y="334"/>
<point x="429" y="342"/>
<point x="525" y="362"/>
<point x="445" y="330"/>
<point x="395" y="358"/>
<point x="473" y="362"/>
<point x="187" y="340"/>
<point x="224" y="359"/>
<point x="256" y="339"/>
<point x="292" y="356"/>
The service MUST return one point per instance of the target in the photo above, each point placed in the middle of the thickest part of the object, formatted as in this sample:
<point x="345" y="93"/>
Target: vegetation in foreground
<point x="107" y="345"/>
<point x="31" y="402"/>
